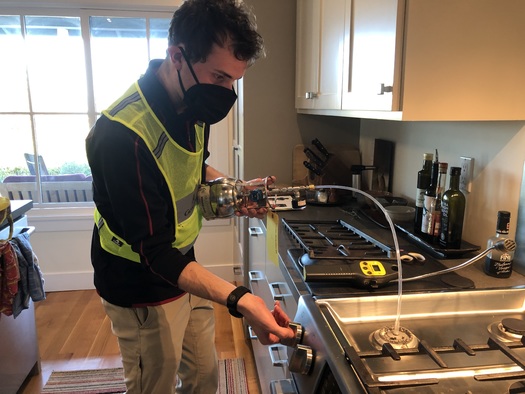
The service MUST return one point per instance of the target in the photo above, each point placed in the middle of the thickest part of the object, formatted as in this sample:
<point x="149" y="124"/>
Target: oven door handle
<point x="276" y="288"/>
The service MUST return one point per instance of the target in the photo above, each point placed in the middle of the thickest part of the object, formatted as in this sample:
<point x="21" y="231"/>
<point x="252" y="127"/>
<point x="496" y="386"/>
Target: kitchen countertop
<point x="474" y="271"/>
<point x="18" y="208"/>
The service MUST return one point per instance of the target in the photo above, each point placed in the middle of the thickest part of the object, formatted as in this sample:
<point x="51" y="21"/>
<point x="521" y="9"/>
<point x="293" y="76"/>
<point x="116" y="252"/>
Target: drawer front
<point x="271" y="362"/>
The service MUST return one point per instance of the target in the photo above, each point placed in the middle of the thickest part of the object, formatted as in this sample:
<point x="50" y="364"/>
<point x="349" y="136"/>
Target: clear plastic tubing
<point x="396" y="245"/>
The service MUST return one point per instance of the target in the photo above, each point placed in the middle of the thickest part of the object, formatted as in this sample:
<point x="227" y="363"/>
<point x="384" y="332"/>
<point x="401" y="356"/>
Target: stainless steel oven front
<point x="317" y="362"/>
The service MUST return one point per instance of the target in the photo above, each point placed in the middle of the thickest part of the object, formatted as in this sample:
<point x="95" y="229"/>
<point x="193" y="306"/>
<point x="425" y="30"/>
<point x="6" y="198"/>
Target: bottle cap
<point x="503" y="223"/>
<point x="428" y="156"/>
<point x="455" y="171"/>
<point x="504" y="214"/>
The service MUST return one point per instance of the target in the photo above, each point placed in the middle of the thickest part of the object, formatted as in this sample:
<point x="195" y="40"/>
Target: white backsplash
<point x="497" y="149"/>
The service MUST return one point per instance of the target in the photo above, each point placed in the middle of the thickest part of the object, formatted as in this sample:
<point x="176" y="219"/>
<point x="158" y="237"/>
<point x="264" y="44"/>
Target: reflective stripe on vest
<point x="180" y="168"/>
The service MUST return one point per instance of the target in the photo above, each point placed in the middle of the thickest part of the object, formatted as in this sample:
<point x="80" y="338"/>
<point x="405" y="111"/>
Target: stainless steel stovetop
<point x="449" y="338"/>
<point x="334" y="248"/>
<point x="452" y="342"/>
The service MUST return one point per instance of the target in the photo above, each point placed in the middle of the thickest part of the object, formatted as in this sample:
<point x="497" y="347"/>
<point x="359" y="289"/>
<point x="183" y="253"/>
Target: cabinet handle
<point x="275" y="350"/>
<point x="277" y="293"/>
<point x="255" y="231"/>
<point x="385" y="89"/>
<point x="255" y="276"/>
<point x="251" y="334"/>
<point x="310" y="95"/>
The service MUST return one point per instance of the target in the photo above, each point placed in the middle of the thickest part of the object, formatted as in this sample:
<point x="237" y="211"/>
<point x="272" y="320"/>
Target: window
<point x="59" y="71"/>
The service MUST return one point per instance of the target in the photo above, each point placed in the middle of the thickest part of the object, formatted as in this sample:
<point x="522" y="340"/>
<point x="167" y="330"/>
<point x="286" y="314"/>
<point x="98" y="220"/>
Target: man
<point x="147" y="154"/>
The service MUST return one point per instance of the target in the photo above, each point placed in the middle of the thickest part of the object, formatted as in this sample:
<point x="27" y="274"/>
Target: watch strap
<point x="233" y="299"/>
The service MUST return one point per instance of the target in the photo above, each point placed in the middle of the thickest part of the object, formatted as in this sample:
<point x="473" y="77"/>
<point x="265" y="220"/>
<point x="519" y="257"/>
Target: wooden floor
<point x="74" y="333"/>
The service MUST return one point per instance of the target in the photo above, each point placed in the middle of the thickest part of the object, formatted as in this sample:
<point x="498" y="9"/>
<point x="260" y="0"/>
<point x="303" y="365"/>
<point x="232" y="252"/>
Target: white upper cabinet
<point x="427" y="60"/>
<point x="320" y="34"/>
<point x="369" y="56"/>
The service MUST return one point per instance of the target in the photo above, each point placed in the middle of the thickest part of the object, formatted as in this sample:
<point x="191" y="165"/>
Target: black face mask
<point x="207" y="102"/>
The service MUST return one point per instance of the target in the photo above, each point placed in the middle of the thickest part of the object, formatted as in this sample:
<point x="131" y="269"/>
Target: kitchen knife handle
<point x="312" y="168"/>
<point x="314" y="158"/>
<point x="321" y="147"/>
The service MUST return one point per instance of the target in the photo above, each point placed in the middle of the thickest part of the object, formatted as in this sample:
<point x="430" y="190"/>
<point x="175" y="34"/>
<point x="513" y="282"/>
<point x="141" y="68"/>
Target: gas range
<point x="338" y="259"/>
<point x="448" y="336"/>
<point x="455" y="342"/>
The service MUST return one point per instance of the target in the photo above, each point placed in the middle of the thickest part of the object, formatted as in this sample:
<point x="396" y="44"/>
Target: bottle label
<point x="426" y="223"/>
<point x="499" y="265"/>
<point x="436" y="224"/>
<point x="420" y="198"/>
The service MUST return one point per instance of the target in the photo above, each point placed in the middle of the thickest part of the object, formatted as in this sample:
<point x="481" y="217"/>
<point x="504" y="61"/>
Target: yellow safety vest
<point x="181" y="170"/>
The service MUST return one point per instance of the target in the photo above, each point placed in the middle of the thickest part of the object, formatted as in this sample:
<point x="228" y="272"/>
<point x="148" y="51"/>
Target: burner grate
<point x="335" y="239"/>
<point x="390" y="367"/>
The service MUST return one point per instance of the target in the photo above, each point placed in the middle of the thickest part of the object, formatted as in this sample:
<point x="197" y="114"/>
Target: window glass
<point x="15" y="140"/>
<point x="13" y="79"/>
<point x="119" y="54"/>
<point x="56" y="90"/>
<point x="56" y="64"/>
<point x="159" y="37"/>
<point x="61" y="142"/>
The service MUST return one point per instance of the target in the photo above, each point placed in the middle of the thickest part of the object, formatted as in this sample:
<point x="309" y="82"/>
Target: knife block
<point x="336" y="170"/>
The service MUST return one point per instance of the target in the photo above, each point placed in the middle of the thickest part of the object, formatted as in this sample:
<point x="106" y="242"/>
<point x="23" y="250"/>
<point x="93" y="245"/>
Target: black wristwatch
<point x="233" y="299"/>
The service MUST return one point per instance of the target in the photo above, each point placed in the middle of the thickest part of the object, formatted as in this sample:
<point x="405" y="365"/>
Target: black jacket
<point x="132" y="196"/>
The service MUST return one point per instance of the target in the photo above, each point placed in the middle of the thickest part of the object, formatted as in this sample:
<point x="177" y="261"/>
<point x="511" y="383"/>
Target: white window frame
<point x="221" y="139"/>
<point x="84" y="10"/>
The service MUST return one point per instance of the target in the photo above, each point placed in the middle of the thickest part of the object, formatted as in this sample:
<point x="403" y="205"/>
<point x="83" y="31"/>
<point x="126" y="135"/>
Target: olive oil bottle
<point x="452" y="212"/>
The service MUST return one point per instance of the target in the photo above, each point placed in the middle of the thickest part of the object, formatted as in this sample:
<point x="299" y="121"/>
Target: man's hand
<point x="270" y="327"/>
<point x="256" y="212"/>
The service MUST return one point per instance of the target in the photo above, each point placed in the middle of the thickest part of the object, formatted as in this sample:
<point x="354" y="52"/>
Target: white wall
<point x="497" y="147"/>
<point x="62" y="244"/>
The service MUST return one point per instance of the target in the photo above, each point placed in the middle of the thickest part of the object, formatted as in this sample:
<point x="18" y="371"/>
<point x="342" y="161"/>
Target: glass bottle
<point x="429" y="196"/>
<point x="423" y="182"/>
<point x="435" y="206"/>
<point x="498" y="263"/>
<point x="452" y="212"/>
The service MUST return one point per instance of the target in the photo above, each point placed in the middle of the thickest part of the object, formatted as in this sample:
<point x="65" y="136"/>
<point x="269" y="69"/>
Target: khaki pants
<point x="159" y="343"/>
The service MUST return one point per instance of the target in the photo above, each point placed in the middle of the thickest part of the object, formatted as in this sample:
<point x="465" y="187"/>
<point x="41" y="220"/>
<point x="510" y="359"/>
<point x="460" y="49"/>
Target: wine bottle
<point x="452" y="212"/>
<point x="435" y="206"/>
<point x="428" y="198"/>
<point x="423" y="182"/>
<point x="498" y="263"/>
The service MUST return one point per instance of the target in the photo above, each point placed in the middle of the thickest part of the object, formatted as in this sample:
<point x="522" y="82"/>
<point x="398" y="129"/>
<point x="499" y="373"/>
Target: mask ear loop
<point x="189" y="64"/>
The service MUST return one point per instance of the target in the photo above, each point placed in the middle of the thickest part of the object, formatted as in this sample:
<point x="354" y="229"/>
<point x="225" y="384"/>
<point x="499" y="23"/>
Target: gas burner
<point x="508" y="329"/>
<point x="400" y="339"/>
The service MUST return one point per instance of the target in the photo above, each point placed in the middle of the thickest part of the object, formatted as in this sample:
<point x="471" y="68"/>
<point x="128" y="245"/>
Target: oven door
<point x="327" y="370"/>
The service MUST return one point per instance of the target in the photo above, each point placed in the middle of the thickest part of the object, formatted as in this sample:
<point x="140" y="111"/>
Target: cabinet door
<point x="307" y="53"/>
<point x="370" y="54"/>
<point x="320" y="28"/>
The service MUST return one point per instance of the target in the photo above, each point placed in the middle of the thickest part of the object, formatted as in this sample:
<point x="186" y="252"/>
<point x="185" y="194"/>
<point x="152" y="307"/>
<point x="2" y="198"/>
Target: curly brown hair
<point x="198" y="24"/>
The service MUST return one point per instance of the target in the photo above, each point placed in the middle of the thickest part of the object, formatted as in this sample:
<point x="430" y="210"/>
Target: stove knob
<point x="301" y="360"/>
<point x="298" y="330"/>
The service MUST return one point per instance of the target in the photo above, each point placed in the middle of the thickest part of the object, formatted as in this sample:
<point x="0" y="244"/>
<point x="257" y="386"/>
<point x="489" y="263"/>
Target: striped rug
<point x="232" y="380"/>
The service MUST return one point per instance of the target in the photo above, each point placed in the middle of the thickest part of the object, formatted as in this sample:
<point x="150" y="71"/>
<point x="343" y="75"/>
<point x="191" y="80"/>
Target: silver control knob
<point x="298" y="330"/>
<point x="301" y="360"/>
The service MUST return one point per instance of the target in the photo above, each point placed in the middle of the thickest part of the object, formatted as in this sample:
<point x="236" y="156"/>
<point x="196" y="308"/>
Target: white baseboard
<point x="65" y="281"/>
